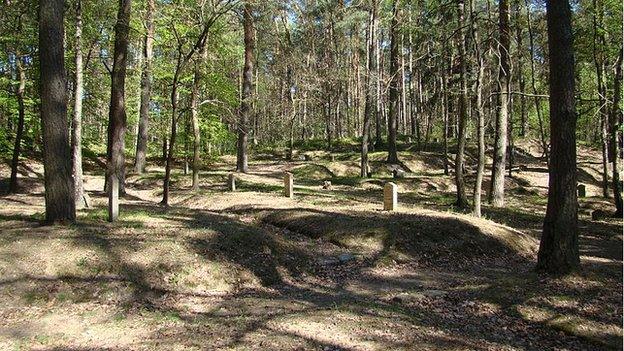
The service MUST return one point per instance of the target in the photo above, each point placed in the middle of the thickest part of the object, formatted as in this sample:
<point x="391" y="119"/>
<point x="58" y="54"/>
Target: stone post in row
<point x="232" y="182"/>
<point x="288" y="184"/>
<point x="390" y="196"/>
<point x="113" y="195"/>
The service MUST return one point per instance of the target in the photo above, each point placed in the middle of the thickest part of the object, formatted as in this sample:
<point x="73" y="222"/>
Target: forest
<point x="311" y="175"/>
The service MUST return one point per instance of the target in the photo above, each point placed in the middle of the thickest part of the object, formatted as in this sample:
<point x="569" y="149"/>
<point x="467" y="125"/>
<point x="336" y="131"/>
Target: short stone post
<point x="232" y="182"/>
<point x="113" y="198"/>
<point x="581" y="190"/>
<point x="288" y="184"/>
<point x="390" y="196"/>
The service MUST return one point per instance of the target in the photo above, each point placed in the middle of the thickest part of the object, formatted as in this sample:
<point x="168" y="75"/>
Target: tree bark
<point x="559" y="249"/>
<point x="117" y="114"/>
<point x="13" y="186"/>
<point x="241" y="157"/>
<point x="76" y="138"/>
<point x="462" y="200"/>
<point x="394" y="85"/>
<point x="497" y="187"/>
<point x="615" y="137"/>
<point x="371" y="67"/>
<point x="146" y="90"/>
<point x="480" y="115"/>
<point x="536" y="100"/>
<point x="59" y="187"/>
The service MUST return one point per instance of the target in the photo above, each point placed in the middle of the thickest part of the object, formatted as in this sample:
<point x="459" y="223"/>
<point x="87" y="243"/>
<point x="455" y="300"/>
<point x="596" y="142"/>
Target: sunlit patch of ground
<point x="326" y="270"/>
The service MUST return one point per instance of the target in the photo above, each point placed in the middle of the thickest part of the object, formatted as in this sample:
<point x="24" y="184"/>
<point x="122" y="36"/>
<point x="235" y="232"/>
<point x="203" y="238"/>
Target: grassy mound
<point x="426" y="237"/>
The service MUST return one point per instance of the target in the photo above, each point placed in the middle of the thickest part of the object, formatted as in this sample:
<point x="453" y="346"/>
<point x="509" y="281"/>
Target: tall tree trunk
<point x="394" y="85"/>
<point x="445" y="115"/>
<point x="480" y="117"/>
<point x="559" y="249"/>
<point x="195" y="123"/>
<point x="174" y="123"/>
<point x="598" y="39"/>
<point x="615" y="136"/>
<point x="146" y="90"/>
<point x="497" y="187"/>
<point x="536" y="100"/>
<point x="241" y="157"/>
<point x="117" y="114"/>
<point x="76" y="138"/>
<point x="13" y="186"/>
<point x="462" y="200"/>
<point x="59" y="186"/>
<point x="371" y="67"/>
<point x="378" y="79"/>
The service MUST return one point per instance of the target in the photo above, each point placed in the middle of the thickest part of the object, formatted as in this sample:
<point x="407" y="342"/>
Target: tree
<point x="497" y="188"/>
<point x="615" y="123"/>
<point x="370" y="86"/>
<point x="146" y="90"/>
<point x="559" y="249"/>
<point x="479" y="112"/>
<point x="76" y="137"/>
<point x="20" y="124"/>
<point x="183" y="57"/>
<point x="462" y="200"/>
<point x="117" y="113"/>
<point x="59" y="187"/>
<point x="393" y="112"/>
<point x="241" y="156"/>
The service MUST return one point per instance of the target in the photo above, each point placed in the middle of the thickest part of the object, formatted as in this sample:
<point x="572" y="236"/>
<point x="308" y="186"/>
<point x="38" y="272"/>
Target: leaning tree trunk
<point x="117" y="114"/>
<point x="76" y="138"/>
<point x="59" y="186"/>
<point x="559" y="249"/>
<point x="462" y="200"/>
<point x="497" y="187"/>
<point x="615" y="137"/>
<point x="146" y="90"/>
<point x="13" y="186"/>
<point x="393" y="112"/>
<point x="241" y="156"/>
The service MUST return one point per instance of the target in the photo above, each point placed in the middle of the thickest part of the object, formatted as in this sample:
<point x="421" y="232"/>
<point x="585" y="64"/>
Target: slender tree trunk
<point x="146" y="90"/>
<point x="462" y="200"/>
<point x="241" y="159"/>
<point x="536" y="100"/>
<point x="559" y="249"/>
<point x="394" y="85"/>
<point x="174" y="123"/>
<point x="602" y="107"/>
<point x="378" y="80"/>
<point x="13" y="186"/>
<point x="76" y="138"/>
<point x="615" y="137"/>
<point x="59" y="186"/>
<point x="480" y="118"/>
<point x="195" y="124"/>
<point x="117" y="114"/>
<point x="371" y="67"/>
<point x="497" y="188"/>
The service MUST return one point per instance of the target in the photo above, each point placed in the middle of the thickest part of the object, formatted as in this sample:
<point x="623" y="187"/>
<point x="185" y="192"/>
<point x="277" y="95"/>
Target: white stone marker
<point x="113" y="198"/>
<point x="288" y="184"/>
<point x="232" y="182"/>
<point x="390" y="196"/>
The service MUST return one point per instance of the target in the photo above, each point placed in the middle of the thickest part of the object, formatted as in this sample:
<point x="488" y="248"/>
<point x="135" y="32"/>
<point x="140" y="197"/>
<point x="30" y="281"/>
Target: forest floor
<point x="325" y="270"/>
